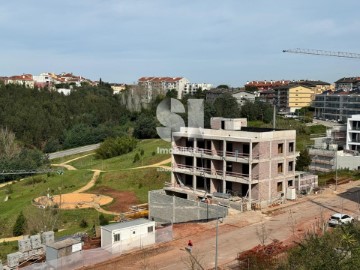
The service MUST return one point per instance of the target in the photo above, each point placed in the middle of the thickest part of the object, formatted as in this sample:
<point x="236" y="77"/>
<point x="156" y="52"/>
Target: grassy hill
<point x="115" y="176"/>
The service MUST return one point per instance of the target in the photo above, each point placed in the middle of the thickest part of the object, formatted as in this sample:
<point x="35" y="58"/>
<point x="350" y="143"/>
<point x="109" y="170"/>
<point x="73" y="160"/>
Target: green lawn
<point x="21" y="194"/>
<point x="151" y="156"/>
<point x="140" y="181"/>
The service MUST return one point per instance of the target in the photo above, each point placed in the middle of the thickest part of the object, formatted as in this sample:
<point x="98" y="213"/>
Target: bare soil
<point x="122" y="199"/>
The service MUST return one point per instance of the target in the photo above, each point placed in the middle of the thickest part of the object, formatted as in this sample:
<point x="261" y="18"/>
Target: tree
<point x="223" y="86"/>
<point x="8" y="147"/>
<point x="303" y="160"/>
<point x="171" y="93"/>
<point x="145" y="127"/>
<point x="227" y="106"/>
<point x="20" y="225"/>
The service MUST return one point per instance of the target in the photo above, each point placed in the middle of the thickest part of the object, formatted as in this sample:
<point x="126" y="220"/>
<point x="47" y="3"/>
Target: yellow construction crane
<point x="323" y="53"/>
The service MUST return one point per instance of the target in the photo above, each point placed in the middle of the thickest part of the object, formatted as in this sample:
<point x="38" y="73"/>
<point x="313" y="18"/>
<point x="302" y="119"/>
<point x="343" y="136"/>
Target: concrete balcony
<point x="240" y="178"/>
<point x="180" y="168"/>
<point x="197" y="152"/>
<point x="207" y="153"/>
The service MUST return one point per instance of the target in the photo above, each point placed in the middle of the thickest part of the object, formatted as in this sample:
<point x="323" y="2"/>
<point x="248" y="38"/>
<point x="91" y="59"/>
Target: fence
<point x="99" y="255"/>
<point x="165" y="207"/>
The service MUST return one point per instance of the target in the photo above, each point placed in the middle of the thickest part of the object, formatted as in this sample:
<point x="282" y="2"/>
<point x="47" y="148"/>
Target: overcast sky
<point x="219" y="42"/>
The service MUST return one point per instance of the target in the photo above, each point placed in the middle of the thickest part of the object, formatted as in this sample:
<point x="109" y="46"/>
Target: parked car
<point x="340" y="219"/>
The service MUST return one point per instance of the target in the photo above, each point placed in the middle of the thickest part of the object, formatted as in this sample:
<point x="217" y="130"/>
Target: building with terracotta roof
<point x="25" y="80"/>
<point x="291" y="97"/>
<point x="266" y="85"/>
<point x="347" y="83"/>
<point x="154" y="86"/>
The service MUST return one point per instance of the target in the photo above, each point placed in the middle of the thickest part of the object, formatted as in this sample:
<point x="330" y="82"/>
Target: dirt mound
<point x="122" y="199"/>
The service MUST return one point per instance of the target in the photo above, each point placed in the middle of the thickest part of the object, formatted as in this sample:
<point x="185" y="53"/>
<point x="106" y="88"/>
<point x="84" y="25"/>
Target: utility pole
<point x="336" y="172"/>
<point x="216" y="243"/>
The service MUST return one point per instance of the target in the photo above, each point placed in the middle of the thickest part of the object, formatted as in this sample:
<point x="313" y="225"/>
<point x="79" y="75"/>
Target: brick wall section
<point x="262" y="148"/>
<point x="263" y="170"/>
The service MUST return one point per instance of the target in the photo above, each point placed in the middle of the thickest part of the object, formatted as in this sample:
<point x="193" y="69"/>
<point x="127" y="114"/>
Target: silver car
<point x="340" y="219"/>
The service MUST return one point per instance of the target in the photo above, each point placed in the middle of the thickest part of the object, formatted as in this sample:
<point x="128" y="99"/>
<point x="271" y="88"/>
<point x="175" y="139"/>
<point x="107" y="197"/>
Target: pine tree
<point x="20" y="225"/>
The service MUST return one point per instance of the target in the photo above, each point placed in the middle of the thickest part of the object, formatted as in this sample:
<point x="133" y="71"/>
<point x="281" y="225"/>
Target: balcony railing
<point x="237" y="175"/>
<point x="182" y="149"/>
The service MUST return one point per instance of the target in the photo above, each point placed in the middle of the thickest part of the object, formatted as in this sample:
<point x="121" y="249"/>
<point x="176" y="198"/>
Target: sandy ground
<point x="74" y="200"/>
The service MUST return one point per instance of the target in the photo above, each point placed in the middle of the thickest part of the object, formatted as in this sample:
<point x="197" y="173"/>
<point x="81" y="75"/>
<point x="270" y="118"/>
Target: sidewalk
<point x="328" y="191"/>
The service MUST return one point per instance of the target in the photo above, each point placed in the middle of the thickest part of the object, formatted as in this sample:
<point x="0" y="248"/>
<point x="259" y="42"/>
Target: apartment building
<point x="192" y="88"/>
<point x="353" y="133"/>
<point x="25" y="79"/>
<point x="255" y="164"/>
<point x="160" y="85"/>
<point x="347" y="83"/>
<point x="337" y="106"/>
<point x="292" y="97"/>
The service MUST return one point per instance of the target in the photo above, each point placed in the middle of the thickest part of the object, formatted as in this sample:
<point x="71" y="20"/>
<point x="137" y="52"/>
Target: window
<point x="150" y="229"/>
<point x="291" y="147"/>
<point x="279" y="186"/>
<point x="291" y="166"/>
<point x="117" y="237"/>
<point x="280" y="167"/>
<point x="280" y="148"/>
<point x="290" y="183"/>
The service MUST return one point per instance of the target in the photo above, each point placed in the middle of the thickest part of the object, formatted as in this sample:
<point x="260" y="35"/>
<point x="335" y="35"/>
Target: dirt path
<point x="91" y="183"/>
<point x="96" y="175"/>
<point x="156" y="165"/>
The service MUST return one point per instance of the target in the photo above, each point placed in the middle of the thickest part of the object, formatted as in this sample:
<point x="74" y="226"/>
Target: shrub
<point x="115" y="147"/>
<point x="83" y="223"/>
<point x="20" y="225"/>
<point x="136" y="158"/>
<point x="103" y="220"/>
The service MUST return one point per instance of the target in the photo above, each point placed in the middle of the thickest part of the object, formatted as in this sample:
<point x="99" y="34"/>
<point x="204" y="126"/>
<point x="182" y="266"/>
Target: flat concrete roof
<point x="126" y="224"/>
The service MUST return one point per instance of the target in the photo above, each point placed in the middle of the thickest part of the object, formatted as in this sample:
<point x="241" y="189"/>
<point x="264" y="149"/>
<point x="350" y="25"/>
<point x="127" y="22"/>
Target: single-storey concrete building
<point x="119" y="237"/>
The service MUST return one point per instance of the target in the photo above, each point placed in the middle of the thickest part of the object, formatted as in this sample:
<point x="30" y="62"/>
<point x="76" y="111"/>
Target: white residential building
<point x="353" y="133"/>
<point x="191" y="88"/>
<point x="154" y="86"/>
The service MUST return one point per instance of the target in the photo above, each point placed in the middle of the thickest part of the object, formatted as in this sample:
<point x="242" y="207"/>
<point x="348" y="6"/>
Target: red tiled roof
<point x="160" y="79"/>
<point x="24" y="77"/>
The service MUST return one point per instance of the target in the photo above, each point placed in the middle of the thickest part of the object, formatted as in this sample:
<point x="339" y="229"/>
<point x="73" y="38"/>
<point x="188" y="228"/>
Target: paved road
<point x="73" y="151"/>
<point x="284" y="225"/>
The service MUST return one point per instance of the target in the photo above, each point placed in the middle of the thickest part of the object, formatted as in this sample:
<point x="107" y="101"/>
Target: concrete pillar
<point x="270" y="170"/>
<point x="194" y="165"/>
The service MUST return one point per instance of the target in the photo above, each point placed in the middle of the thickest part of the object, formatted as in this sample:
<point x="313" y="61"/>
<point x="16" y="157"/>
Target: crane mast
<point x="323" y="53"/>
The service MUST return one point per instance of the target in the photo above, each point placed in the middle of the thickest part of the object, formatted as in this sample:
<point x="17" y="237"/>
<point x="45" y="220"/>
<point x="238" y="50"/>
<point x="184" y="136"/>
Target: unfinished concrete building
<point x="256" y="165"/>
